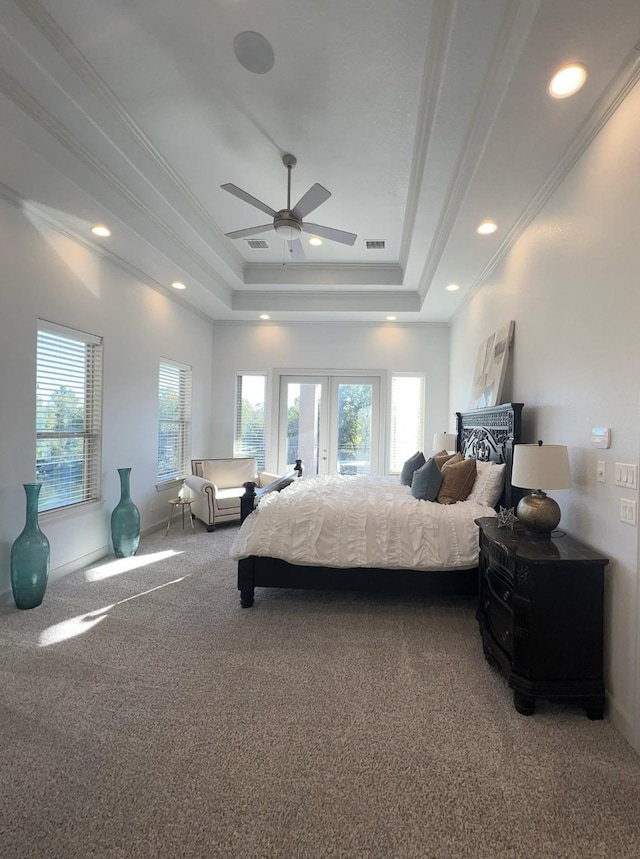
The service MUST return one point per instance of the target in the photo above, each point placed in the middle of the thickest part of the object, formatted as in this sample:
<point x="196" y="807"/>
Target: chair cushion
<point x="226" y="473"/>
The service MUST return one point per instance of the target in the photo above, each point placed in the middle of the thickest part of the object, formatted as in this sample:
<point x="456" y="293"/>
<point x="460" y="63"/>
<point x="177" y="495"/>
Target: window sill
<point x="170" y="484"/>
<point x="59" y="514"/>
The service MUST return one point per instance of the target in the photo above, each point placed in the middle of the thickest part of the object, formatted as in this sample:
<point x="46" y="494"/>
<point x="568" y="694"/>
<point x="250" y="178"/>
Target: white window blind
<point x="68" y="416"/>
<point x="407" y="419"/>
<point x="249" y="436"/>
<point x="174" y="426"/>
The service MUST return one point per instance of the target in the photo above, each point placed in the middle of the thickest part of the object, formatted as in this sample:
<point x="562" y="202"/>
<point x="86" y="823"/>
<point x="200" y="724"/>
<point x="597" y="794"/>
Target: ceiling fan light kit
<point x="289" y="222"/>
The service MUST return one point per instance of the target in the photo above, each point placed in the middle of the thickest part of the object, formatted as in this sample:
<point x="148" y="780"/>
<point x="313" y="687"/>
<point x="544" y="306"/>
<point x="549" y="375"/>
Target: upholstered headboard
<point x="490" y="434"/>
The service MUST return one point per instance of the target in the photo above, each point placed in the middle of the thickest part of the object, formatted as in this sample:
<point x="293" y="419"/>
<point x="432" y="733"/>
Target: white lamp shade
<point x="541" y="466"/>
<point x="444" y="441"/>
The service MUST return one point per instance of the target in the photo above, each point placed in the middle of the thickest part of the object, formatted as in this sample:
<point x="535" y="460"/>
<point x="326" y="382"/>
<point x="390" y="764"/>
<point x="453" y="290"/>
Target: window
<point x="68" y="416"/>
<point x="249" y="436"/>
<point x="407" y="419"/>
<point x="174" y="425"/>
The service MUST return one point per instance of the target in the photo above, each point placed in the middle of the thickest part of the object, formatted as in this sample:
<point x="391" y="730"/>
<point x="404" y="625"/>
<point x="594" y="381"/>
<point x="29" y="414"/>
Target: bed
<point x="376" y="538"/>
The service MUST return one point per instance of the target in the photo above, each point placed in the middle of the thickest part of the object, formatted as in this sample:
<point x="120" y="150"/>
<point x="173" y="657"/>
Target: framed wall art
<point x="491" y="367"/>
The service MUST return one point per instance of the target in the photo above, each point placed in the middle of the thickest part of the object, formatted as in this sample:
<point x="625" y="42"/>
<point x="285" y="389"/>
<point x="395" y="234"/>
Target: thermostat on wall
<point x="601" y="437"/>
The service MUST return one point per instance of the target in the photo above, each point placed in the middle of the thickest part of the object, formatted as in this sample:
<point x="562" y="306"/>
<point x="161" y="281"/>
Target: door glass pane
<point x="354" y="428"/>
<point x="303" y="425"/>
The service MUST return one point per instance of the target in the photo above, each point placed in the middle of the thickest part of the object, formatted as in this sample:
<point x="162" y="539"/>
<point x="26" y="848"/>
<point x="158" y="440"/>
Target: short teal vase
<point x="125" y="520"/>
<point x="30" y="556"/>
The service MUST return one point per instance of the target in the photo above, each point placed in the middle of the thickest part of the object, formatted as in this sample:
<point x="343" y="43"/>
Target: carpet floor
<point x="145" y="714"/>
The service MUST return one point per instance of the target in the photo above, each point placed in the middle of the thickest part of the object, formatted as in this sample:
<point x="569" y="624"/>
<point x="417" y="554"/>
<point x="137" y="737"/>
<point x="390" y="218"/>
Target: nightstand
<point x="540" y="613"/>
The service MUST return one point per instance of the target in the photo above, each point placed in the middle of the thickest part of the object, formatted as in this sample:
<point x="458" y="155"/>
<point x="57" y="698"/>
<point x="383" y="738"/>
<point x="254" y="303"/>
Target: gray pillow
<point x="427" y="481"/>
<point x="414" y="462"/>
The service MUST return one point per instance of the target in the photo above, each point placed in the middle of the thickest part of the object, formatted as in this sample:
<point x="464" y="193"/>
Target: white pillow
<point x="487" y="488"/>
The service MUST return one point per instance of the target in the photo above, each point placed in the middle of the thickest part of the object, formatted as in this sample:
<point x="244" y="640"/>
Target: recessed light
<point x="178" y="284"/>
<point x="264" y="316"/>
<point x="315" y="241"/>
<point x="391" y="318"/>
<point x="567" y="80"/>
<point x="452" y="287"/>
<point x="486" y="228"/>
<point x="101" y="230"/>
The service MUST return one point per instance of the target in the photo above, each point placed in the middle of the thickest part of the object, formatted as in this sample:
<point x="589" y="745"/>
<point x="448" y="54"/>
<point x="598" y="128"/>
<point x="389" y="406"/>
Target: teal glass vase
<point x="125" y="520"/>
<point x="30" y="556"/>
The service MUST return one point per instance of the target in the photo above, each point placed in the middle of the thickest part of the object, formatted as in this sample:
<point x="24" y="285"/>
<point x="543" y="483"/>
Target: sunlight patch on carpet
<point x="125" y="565"/>
<point x="84" y="622"/>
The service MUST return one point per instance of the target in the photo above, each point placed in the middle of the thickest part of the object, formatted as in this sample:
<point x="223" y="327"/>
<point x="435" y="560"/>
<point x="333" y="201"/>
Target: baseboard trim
<point x="621" y="722"/>
<point x="6" y="596"/>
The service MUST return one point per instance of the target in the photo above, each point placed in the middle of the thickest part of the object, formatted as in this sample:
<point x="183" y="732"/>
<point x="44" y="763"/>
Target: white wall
<point x="571" y="285"/>
<point x="46" y="275"/>
<point x="386" y="347"/>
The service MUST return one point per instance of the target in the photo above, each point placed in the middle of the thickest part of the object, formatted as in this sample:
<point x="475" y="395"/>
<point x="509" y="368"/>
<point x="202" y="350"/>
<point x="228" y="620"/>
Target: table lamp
<point x="545" y="466"/>
<point x="444" y="441"/>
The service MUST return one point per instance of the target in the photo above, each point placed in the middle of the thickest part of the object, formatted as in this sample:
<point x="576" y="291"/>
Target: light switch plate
<point x="626" y="474"/>
<point x="629" y="511"/>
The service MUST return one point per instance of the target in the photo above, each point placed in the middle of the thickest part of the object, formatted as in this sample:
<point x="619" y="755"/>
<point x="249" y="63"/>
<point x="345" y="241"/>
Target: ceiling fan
<point x="288" y="223"/>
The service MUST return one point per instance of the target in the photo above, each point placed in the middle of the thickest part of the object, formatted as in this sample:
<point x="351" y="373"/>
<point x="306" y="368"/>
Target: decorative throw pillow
<point x="427" y="481"/>
<point x="414" y="462"/>
<point x="489" y="483"/>
<point x="443" y="456"/>
<point x="458" y="480"/>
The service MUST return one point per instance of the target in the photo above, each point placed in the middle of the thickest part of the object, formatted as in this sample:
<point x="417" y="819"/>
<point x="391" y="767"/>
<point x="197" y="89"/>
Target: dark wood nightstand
<point x="541" y="615"/>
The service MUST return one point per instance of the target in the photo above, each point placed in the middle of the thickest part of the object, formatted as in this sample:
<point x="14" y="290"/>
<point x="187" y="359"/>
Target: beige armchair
<point x="218" y="484"/>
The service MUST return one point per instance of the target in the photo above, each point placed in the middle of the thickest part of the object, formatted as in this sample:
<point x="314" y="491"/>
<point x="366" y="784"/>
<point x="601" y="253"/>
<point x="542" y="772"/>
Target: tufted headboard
<point x="490" y="434"/>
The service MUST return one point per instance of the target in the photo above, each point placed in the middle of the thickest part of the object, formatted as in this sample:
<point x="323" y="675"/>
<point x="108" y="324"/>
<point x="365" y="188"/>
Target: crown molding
<point x="64" y="46"/>
<point x="440" y="28"/>
<point x="39" y="114"/>
<point x="347" y="274"/>
<point x="364" y="302"/>
<point x="626" y="79"/>
<point x="35" y="212"/>
<point x="513" y="34"/>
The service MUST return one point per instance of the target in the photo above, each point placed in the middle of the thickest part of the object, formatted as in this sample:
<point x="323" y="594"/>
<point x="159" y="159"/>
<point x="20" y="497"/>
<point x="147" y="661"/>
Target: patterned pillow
<point x="427" y="481"/>
<point x="414" y="462"/>
<point x="458" y="480"/>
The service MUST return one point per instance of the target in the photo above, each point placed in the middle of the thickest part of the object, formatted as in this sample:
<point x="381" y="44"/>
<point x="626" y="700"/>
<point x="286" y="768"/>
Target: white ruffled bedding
<point x="361" y="521"/>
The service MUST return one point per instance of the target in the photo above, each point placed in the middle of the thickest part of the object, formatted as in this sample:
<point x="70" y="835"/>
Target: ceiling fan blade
<point x="250" y="231"/>
<point x="330" y="233"/>
<point x="315" y="196"/>
<point x="296" y="251"/>
<point x="252" y="201"/>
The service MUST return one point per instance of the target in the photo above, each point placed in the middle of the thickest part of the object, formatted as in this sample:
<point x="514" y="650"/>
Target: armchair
<point x="218" y="484"/>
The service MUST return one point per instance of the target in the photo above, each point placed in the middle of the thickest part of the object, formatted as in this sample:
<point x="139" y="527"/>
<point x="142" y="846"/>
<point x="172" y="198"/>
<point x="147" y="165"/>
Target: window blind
<point x="68" y="416"/>
<point x="407" y="419"/>
<point x="174" y="425"/>
<point x="249" y="435"/>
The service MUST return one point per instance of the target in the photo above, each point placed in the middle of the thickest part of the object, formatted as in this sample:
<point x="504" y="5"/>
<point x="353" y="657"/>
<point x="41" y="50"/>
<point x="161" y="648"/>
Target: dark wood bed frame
<point x="488" y="434"/>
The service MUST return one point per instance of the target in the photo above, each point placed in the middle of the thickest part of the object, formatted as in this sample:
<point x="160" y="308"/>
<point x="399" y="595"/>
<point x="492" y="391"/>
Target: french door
<point x="332" y="423"/>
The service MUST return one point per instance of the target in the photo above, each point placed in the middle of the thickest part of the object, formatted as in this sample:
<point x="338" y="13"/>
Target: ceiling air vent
<point x="257" y="244"/>
<point x="374" y="245"/>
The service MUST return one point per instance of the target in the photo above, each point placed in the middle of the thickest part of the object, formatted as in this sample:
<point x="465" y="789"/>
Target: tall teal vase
<point x="125" y="520"/>
<point x="30" y="556"/>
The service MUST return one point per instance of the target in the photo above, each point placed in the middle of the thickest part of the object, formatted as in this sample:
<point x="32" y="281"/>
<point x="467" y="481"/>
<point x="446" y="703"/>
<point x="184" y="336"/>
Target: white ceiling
<point x="422" y="117"/>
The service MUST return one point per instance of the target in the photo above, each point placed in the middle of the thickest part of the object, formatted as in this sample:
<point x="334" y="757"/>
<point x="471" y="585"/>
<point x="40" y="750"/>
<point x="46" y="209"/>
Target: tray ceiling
<point x="421" y="118"/>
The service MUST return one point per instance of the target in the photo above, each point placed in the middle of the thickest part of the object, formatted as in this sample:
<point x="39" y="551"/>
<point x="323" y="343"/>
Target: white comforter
<point x="360" y="521"/>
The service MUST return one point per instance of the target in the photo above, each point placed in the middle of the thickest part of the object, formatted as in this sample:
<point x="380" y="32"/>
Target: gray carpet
<point x="144" y="713"/>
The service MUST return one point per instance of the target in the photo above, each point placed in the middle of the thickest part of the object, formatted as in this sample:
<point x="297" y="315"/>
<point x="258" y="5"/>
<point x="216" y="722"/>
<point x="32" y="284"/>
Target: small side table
<point x="185" y="504"/>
